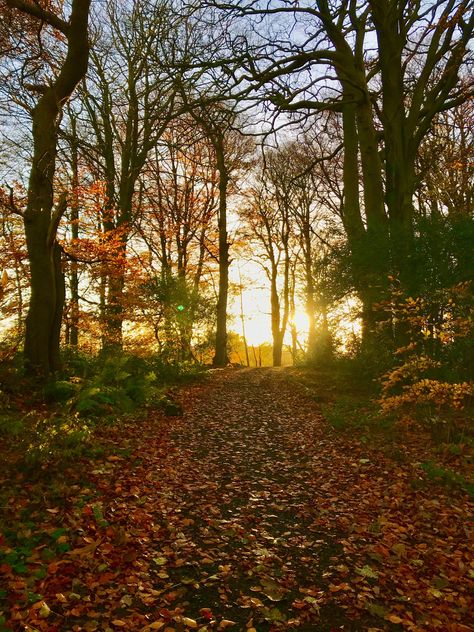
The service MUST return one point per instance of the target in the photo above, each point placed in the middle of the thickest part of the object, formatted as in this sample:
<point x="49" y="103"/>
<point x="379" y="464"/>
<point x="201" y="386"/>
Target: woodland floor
<point x="249" y="512"/>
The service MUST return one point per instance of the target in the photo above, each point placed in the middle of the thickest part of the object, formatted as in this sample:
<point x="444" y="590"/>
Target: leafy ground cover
<point x="250" y="511"/>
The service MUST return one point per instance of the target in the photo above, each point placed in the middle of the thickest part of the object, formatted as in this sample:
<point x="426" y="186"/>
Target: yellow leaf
<point x="394" y="619"/>
<point x="119" y="623"/>
<point x="44" y="611"/>
<point x="190" y="623"/>
<point x="225" y="623"/>
<point x="157" y="625"/>
<point x="255" y="602"/>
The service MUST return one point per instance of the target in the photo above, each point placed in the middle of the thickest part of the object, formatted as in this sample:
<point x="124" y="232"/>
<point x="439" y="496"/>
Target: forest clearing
<point x="248" y="512"/>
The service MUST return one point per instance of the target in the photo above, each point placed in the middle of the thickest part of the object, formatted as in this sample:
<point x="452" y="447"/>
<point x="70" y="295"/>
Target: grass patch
<point x="347" y="414"/>
<point x="447" y="477"/>
<point x="347" y="399"/>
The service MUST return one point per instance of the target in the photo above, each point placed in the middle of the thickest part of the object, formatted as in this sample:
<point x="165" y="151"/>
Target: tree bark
<point x="275" y="318"/>
<point x="74" y="276"/>
<point x="310" y="302"/>
<point x="221" y="357"/>
<point x="43" y="321"/>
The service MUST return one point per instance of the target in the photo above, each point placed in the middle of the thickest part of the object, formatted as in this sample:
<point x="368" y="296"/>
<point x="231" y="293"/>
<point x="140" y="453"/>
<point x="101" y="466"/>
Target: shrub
<point x="121" y="383"/>
<point x="434" y="370"/>
<point x="60" y="391"/>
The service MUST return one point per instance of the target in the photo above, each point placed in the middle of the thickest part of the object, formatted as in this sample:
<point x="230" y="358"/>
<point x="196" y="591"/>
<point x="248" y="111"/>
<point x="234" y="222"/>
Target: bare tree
<point x="129" y="100"/>
<point x="303" y="58"/>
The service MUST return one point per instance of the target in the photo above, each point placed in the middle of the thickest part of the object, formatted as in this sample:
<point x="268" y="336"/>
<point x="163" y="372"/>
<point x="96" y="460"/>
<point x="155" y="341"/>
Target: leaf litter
<point x="248" y="513"/>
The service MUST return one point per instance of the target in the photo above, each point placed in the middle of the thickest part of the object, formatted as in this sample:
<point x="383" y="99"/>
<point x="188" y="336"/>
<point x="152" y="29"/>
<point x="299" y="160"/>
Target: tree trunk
<point x="293" y="331"/>
<point x="275" y="319"/>
<point x="310" y="302"/>
<point x="114" y="312"/>
<point x="220" y="357"/>
<point x="369" y="245"/>
<point x="113" y="334"/>
<point x="60" y="287"/>
<point x="325" y="347"/>
<point x="43" y="321"/>
<point x="74" y="276"/>
<point x="242" y="320"/>
<point x="399" y="160"/>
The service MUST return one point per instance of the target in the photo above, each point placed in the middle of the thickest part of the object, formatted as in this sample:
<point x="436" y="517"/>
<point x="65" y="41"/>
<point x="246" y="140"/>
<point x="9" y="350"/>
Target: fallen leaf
<point x="256" y="602"/>
<point x="367" y="571"/>
<point x="44" y="611"/>
<point x="226" y="623"/>
<point x="160" y="560"/>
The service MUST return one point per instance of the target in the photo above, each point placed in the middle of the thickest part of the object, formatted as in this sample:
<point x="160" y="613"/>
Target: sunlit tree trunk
<point x="277" y="336"/>
<point x="242" y="320"/>
<point x="352" y="219"/>
<point x="74" y="217"/>
<point x="280" y="314"/>
<point x="309" y="291"/>
<point x="292" y="315"/>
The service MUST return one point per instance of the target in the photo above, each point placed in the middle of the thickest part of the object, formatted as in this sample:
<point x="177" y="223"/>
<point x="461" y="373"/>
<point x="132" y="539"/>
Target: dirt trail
<point x="251" y="509"/>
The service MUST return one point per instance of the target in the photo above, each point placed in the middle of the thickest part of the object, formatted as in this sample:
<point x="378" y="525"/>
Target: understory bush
<point x="434" y="369"/>
<point x="55" y="422"/>
<point x="116" y="383"/>
<point x="43" y="438"/>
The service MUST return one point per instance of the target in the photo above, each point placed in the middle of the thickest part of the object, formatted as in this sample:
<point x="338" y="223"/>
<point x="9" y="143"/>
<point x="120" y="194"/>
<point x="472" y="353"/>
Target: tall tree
<point x="129" y="99"/>
<point x="218" y="121"/>
<point x="177" y="222"/>
<point x="41" y="219"/>
<point x="268" y="217"/>
<point x="308" y="57"/>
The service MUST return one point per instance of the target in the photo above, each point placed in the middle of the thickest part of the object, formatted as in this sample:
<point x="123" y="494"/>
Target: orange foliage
<point x="440" y="330"/>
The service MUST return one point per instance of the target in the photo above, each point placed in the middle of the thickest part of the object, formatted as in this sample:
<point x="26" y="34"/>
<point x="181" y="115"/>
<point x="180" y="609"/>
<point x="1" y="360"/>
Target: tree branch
<point x="37" y="12"/>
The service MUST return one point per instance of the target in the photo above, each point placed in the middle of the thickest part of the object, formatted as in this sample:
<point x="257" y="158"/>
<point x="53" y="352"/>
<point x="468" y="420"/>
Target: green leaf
<point x="58" y="533"/>
<point x="161" y="561"/>
<point x="440" y="582"/>
<point x="377" y="610"/>
<point x="367" y="571"/>
<point x="275" y="615"/>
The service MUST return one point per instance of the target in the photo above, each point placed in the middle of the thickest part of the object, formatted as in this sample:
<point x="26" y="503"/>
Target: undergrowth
<point x="57" y="421"/>
<point x="440" y="443"/>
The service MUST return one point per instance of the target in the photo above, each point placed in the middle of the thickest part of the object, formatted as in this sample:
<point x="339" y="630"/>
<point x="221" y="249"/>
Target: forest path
<point x="259" y="491"/>
<point x="250" y="512"/>
<point x="264" y="515"/>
